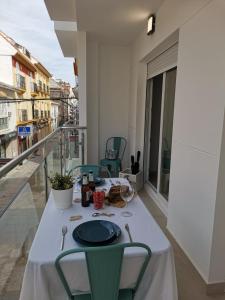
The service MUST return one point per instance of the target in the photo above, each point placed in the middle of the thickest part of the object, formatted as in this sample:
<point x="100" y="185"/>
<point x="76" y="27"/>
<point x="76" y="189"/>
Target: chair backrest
<point x="104" y="269"/>
<point x="118" y="144"/>
<point x="96" y="169"/>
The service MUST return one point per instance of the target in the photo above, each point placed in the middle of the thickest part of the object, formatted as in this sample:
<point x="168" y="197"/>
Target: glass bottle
<point x="85" y="192"/>
<point x="91" y="185"/>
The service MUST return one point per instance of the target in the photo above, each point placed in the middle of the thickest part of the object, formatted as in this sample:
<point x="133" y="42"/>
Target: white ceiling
<point x="114" y="21"/>
<point x="61" y="10"/>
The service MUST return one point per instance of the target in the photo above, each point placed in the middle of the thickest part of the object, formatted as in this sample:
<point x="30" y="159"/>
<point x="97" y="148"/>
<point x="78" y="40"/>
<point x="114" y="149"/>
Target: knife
<point x="132" y="164"/>
<point x="138" y="160"/>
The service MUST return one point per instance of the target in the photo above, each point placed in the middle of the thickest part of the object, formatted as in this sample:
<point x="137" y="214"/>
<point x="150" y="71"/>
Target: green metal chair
<point x="104" y="271"/>
<point x="118" y="144"/>
<point x="98" y="171"/>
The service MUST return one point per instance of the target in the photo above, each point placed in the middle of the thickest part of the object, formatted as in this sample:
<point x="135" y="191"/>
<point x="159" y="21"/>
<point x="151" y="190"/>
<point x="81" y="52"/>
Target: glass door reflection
<point x="167" y="131"/>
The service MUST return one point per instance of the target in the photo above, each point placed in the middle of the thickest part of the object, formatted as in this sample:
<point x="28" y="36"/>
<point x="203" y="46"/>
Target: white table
<point x="41" y="281"/>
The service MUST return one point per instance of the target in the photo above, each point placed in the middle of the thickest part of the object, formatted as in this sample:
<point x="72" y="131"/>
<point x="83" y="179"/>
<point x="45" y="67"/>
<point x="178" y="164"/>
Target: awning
<point x="4" y="138"/>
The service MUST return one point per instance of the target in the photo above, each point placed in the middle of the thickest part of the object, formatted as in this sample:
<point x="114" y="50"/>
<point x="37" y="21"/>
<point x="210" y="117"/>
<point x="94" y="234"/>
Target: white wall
<point x="6" y="74"/>
<point x="92" y="102"/>
<point x="114" y="93"/>
<point x="217" y="262"/>
<point x="108" y="72"/>
<point x="6" y="52"/>
<point x="171" y="16"/>
<point x="198" y="123"/>
<point x="82" y="58"/>
<point x="195" y="200"/>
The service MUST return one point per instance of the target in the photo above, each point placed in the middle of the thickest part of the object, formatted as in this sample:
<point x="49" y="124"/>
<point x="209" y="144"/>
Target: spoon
<point x="128" y="231"/>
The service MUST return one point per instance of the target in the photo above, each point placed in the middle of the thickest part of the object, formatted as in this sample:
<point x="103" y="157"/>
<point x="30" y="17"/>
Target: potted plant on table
<point x="62" y="189"/>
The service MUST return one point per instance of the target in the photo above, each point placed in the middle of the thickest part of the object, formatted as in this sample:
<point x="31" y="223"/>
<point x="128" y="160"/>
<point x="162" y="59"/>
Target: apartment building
<point x="17" y="73"/>
<point x="41" y="108"/>
<point x="22" y="77"/>
<point x="61" y="89"/>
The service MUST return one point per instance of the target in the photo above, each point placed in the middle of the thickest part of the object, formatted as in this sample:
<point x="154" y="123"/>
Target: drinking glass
<point x="127" y="194"/>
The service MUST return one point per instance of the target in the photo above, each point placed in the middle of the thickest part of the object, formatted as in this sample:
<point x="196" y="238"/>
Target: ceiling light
<point x="151" y="24"/>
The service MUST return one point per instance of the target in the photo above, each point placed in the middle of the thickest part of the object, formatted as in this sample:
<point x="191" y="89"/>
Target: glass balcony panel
<point x="24" y="191"/>
<point x="19" y="223"/>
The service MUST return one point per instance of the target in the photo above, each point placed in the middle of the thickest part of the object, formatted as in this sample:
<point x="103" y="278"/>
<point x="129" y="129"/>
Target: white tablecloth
<point x="41" y="281"/>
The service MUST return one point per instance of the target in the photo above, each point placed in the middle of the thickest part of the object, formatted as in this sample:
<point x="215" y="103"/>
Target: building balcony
<point x="20" y="83"/>
<point x="34" y="89"/>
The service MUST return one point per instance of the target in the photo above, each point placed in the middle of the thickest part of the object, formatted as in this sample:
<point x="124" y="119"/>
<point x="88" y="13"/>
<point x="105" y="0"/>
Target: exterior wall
<point x="6" y="74"/>
<point x="108" y="72"/>
<point x="19" y="69"/>
<point x="195" y="198"/>
<point x="45" y="105"/>
<point x="8" y="136"/>
<point x="6" y="52"/>
<point x="54" y="115"/>
<point x="12" y="148"/>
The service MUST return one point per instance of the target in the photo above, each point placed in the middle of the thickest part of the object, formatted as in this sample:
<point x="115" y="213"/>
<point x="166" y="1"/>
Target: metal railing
<point x="24" y="190"/>
<point x="78" y="139"/>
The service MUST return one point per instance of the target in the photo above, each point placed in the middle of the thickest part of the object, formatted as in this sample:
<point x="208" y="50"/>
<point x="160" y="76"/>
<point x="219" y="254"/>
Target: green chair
<point x="118" y="146"/>
<point x="104" y="271"/>
<point x="98" y="171"/>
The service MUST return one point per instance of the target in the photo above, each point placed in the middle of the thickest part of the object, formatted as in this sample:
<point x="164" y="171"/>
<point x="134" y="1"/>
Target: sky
<point x="28" y="23"/>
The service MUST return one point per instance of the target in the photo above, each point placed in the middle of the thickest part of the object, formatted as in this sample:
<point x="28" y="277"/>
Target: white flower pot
<point x="63" y="198"/>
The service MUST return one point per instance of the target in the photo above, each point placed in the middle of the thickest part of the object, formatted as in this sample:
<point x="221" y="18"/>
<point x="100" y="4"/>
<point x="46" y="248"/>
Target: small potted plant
<point x="62" y="189"/>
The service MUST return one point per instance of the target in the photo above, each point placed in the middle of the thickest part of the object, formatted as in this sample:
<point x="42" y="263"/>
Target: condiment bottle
<point x="85" y="192"/>
<point x="91" y="185"/>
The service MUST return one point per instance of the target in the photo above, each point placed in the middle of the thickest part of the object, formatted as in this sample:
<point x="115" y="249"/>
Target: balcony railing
<point x="33" y="87"/>
<point x="24" y="190"/>
<point x="20" y="82"/>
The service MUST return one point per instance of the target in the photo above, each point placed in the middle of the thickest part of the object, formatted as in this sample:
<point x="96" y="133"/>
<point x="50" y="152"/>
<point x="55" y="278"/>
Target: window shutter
<point x="163" y="61"/>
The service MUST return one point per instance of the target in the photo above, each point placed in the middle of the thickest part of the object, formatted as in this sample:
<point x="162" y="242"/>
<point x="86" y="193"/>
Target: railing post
<point x="46" y="178"/>
<point x="61" y="152"/>
<point x="82" y="147"/>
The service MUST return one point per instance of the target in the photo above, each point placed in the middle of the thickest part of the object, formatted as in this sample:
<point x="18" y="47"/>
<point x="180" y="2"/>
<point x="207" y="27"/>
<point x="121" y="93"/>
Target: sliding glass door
<point x="158" y="132"/>
<point x="155" y="129"/>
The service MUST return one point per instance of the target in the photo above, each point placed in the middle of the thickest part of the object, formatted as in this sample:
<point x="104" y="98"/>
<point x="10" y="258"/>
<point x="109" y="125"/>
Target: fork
<point x="64" y="232"/>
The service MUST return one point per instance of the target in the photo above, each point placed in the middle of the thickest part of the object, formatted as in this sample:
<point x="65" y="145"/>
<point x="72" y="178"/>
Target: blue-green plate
<point x="96" y="233"/>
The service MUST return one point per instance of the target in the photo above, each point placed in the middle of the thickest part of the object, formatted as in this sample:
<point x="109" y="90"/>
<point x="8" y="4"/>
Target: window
<point x="36" y="113"/>
<point x="49" y="113"/>
<point x="33" y="87"/>
<point x="3" y="110"/>
<point x="46" y="114"/>
<point x="40" y="85"/>
<point x="20" y="81"/>
<point x="158" y="130"/>
<point x="3" y="123"/>
<point x="23" y="115"/>
<point x="17" y="67"/>
<point x="42" y="114"/>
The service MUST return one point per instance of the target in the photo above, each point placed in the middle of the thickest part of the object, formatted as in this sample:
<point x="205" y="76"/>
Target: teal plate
<point x="96" y="233"/>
